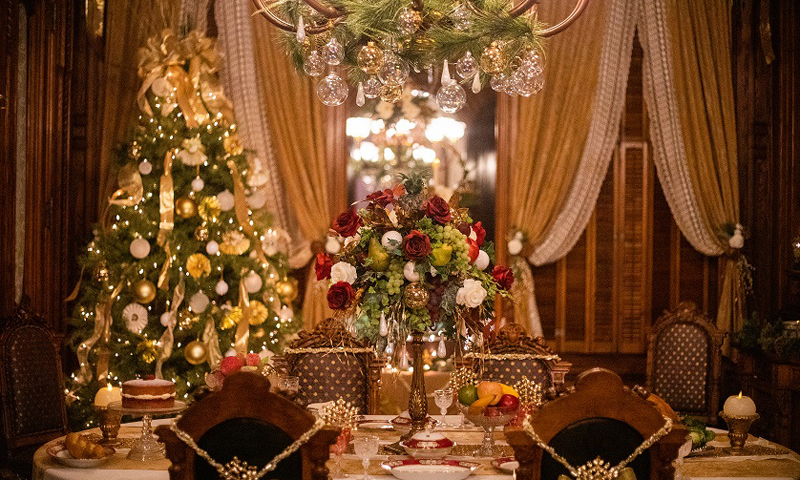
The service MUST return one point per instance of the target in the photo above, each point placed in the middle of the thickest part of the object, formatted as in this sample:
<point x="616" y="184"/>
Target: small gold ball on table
<point x="415" y="296"/>
<point x="144" y="291"/>
<point x="195" y="352"/>
<point x="185" y="207"/>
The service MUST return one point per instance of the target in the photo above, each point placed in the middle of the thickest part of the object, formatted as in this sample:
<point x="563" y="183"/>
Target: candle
<point x="739" y="406"/>
<point x="107" y="395"/>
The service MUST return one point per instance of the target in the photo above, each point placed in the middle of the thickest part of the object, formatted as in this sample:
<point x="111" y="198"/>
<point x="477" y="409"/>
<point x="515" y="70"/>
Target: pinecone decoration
<point x="412" y="202"/>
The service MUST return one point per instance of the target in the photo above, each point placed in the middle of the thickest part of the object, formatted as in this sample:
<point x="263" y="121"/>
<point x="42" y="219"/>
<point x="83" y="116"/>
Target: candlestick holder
<point x="738" y="430"/>
<point x="109" y="425"/>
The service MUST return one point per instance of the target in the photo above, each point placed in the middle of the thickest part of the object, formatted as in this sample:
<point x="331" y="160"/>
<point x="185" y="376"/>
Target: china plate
<point x="506" y="464"/>
<point x="60" y="454"/>
<point x="413" y="469"/>
<point x="375" y="425"/>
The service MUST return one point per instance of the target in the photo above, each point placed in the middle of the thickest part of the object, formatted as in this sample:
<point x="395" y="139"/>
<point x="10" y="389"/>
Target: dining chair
<point x="513" y="354"/>
<point x="599" y="417"/>
<point x="684" y="362"/>
<point x="332" y="364"/>
<point x="31" y="389"/>
<point x="245" y="420"/>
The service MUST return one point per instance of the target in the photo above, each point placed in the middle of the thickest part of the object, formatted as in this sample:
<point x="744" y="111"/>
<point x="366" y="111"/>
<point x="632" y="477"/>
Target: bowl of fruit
<point x="488" y="405"/>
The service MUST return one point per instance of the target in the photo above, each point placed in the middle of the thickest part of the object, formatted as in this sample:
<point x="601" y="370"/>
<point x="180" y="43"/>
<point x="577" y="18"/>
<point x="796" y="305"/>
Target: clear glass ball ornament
<point x="451" y="97"/>
<point x="314" y="65"/>
<point x="533" y="60"/>
<point x="394" y="71"/>
<point x="333" y="52"/>
<point x="467" y="66"/>
<point x="526" y="81"/>
<point x="409" y="21"/>
<point x="332" y="90"/>
<point x="372" y="87"/>
<point x="498" y="82"/>
<point x="461" y="18"/>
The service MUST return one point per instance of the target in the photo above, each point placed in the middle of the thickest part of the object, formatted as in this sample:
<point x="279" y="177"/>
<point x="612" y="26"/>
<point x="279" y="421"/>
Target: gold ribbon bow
<point x="168" y="338"/>
<point x="130" y="190"/>
<point x="211" y="341"/>
<point x="242" y="212"/>
<point x="102" y="331"/>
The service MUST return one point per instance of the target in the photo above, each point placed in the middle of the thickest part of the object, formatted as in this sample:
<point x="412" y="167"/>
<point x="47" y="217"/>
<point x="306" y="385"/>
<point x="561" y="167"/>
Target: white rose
<point x="193" y="153"/>
<point x="343" y="272"/>
<point x="472" y="294"/>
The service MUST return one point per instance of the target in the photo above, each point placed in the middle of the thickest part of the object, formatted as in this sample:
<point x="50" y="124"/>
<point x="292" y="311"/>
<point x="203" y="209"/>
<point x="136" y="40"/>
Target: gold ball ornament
<point x="185" y="207"/>
<point x="391" y="93"/>
<point x="201" y="233"/>
<point x="232" y="145"/>
<point x="258" y="312"/>
<point x="198" y="265"/>
<point x="209" y="208"/>
<point x="492" y="60"/>
<point x="287" y="289"/>
<point x="187" y="319"/>
<point x="195" y="352"/>
<point x="415" y="296"/>
<point x="370" y="58"/>
<point x="101" y="272"/>
<point x="144" y="291"/>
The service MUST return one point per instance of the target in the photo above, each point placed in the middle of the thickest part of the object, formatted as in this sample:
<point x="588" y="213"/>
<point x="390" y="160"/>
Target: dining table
<point x="779" y="464"/>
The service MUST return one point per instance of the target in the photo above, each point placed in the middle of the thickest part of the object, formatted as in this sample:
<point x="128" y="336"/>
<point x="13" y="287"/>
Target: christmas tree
<point x="180" y="269"/>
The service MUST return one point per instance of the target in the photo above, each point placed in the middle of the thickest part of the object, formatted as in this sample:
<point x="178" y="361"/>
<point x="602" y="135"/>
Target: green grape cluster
<point x="395" y="278"/>
<point x="458" y="241"/>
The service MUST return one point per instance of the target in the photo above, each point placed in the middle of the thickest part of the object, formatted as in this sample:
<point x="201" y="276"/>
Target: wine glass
<point x="443" y="398"/>
<point x="338" y="449"/>
<point x="365" y="448"/>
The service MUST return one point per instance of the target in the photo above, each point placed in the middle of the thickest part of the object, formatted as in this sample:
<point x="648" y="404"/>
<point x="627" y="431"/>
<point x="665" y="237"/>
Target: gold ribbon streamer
<point x="102" y="330"/>
<point x="130" y="190"/>
<point x="166" y="201"/>
<point x="243" y="328"/>
<point x="72" y="296"/>
<point x="242" y="212"/>
<point x="168" y="338"/>
<point x="524" y="294"/>
<point x="163" y="277"/>
<point x="211" y="341"/>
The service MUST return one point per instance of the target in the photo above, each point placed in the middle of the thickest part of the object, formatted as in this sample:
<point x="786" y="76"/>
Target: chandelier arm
<point x="265" y="11"/>
<point x="327" y="12"/>
<point x="523" y="7"/>
<point x="560" y="27"/>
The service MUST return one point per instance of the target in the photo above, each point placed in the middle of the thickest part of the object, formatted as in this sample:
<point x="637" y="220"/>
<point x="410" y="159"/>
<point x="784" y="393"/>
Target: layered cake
<point x="148" y="394"/>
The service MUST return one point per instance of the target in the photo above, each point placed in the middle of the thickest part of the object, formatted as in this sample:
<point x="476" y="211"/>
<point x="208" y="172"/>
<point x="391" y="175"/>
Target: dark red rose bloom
<point x="340" y="296"/>
<point x="480" y="233"/>
<point x="323" y="266"/>
<point x="503" y="276"/>
<point x="381" y="198"/>
<point x="347" y="223"/>
<point x="416" y="245"/>
<point x="474" y="250"/>
<point x="464" y="228"/>
<point x="438" y="209"/>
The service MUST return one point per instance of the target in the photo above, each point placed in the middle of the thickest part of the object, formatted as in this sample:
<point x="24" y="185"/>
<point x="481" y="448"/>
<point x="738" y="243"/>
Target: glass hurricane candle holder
<point x="738" y="430"/>
<point x="109" y="425"/>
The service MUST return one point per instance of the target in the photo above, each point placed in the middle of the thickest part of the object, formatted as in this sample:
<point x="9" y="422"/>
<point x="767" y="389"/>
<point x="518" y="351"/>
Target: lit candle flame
<point x="740" y="394"/>
<point x="108" y="386"/>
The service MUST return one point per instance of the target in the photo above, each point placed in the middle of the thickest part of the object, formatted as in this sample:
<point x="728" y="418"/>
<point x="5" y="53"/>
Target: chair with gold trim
<point x="684" y="362"/>
<point x="332" y="364"/>
<point x="513" y="354"/>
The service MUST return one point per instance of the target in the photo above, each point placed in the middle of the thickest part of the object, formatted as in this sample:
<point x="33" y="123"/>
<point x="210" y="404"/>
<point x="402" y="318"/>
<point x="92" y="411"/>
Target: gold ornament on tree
<point x="209" y="208"/>
<point x="370" y="58"/>
<point x="492" y="60"/>
<point x="234" y="243"/>
<point x="232" y="145"/>
<point x="144" y="291"/>
<point x="101" y="272"/>
<point x="391" y="93"/>
<point x="258" y="312"/>
<point x="185" y="207"/>
<point x="187" y="319"/>
<point x="287" y="289"/>
<point x="201" y="233"/>
<point x="231" y="319"/>
<point x="195" y="352"/>
<point x="147" y="351"/>
<point x="415" y="296"/>
<point x="198" y="265"/>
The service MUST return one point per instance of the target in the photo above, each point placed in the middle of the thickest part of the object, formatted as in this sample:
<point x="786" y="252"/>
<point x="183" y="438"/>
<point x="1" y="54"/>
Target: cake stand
<point x="147" y="447"/>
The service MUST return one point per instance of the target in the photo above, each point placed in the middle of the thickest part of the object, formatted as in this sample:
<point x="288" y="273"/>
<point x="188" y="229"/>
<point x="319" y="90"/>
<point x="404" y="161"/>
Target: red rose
<point x="231" y="365"/>
<point x="438" y="209"/>
<point x="474" y="250"/>
<point x="340" y="296"/>
<point x="347" y="223"/>
<point x="381" y="198"/>
<point x="480" y="233"/>
<point x="323" y="266"/>
<point x="416" y="245"/>
<point x="503" y="276"/>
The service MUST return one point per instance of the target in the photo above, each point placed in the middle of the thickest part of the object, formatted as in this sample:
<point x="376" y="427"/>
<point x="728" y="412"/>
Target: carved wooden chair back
<point x="31" y="383"/>
<point x="245" y="420"/>
<point x="513" y="354"/>
<point x="684" y="361"/>
<point x="599" y="417"/>
<point x="332" y="364"/>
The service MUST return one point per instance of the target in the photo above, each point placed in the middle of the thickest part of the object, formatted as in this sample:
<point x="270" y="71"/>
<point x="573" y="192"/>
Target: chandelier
<point x="379" y="45"/>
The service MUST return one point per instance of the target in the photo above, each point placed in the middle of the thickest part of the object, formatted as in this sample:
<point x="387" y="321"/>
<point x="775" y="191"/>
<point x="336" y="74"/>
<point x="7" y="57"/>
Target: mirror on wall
<point x="386" y="140"/>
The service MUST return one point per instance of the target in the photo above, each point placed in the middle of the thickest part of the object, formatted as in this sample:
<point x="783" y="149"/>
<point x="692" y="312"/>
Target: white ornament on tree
<point x="221" y="288"/>
<point x="165" y="319"/>
<point x="225" y="200"/>
<point x="392" y="239"/>
<point x="253" y="282"/>
<point x="140" y="248"/>
<point x="410" y="272"/>
<point x="135" y="317"/>
<point x="482" y="261"/>
<point x="199" y="302"/>
<point x="212" y="247"/>
<point x="198" y="184"/>
<point x="145" y="167"/>
<point x="161" y="87"/>
<point x="286" y="313"/>
<point x="383" y="327"/>
<point x="193" y="152"/>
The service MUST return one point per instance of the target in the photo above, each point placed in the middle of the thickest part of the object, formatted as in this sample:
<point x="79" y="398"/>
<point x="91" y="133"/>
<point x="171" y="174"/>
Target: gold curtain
<point x="113" y="79"/>
<point x="701" y="55"/>
<point x="296" y="122"/>
<point x="546" y="147"/>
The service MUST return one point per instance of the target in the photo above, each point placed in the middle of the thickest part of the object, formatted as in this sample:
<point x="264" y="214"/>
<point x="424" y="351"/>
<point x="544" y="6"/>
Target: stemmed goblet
<point x="443" y="398"/>
<point x="338" y="449"/>
<point x="366" y="448"/>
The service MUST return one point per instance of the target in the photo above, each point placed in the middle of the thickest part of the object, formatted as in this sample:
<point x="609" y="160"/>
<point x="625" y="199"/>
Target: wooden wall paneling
<point x="591" y="284"/>
<point x="604" y="325"/>
<point x="546" y="299"/>
<point x="9" y="14"/>
<point x="576" y="281"/>
<point x="662" y="264"/>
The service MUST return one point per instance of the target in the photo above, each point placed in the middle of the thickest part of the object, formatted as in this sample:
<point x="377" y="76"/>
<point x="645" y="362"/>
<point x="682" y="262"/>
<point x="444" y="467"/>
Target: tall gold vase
<point x="417" y="399"/>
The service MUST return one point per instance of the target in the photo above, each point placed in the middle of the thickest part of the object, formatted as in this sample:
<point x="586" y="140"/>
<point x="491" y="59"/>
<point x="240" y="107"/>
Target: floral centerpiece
<point x="412" y="262"/>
